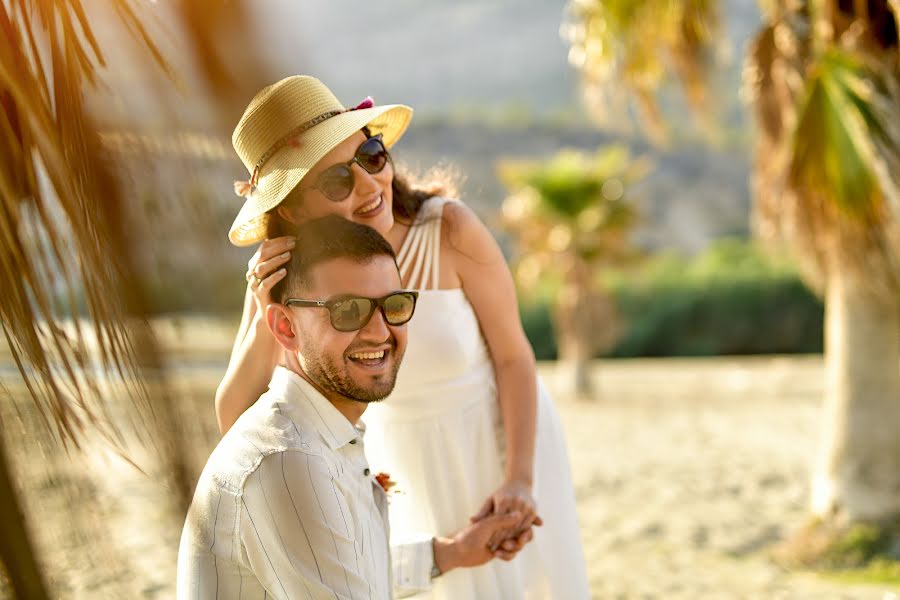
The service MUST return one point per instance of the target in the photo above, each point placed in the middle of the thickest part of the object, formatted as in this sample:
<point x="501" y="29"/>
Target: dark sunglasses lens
<point x="349" y="314"/>
<point x="372" y="155"/>
<point x="336" y="182"/>
<point x="398" y="308"/>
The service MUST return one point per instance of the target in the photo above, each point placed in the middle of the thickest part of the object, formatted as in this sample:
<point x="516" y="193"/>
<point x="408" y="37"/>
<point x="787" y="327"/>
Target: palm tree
<point x="825" y="88"/>
<point x="823" y="81"/>
<point x="622" y="45"/>
<point x="570" y="215"/>
<point x="62" y="239"/>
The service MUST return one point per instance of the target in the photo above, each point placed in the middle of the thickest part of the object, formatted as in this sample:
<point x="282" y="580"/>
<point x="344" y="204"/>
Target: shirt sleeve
<point x="295" y="531"/>
<point x="411" y="564"/>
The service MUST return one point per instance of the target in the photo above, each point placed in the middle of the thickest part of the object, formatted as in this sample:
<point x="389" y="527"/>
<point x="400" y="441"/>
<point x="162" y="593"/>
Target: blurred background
<point x="680" y="187"/>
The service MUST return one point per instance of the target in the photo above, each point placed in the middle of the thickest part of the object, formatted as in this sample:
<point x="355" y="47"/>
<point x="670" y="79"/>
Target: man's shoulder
<point x="265" y="429"/>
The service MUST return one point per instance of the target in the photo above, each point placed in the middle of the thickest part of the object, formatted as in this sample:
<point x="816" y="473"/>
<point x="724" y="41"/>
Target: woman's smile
<point x="371" y="209"/>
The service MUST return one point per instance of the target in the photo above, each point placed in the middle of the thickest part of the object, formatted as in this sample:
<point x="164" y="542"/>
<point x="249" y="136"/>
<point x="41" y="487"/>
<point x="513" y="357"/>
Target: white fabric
<point x="440" y="437"/>
<point x="287" y="507"/>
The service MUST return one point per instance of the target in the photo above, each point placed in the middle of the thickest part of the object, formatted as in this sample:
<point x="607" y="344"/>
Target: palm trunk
<point x="857" y="474"/>
<point x="17" y="553"/>
<point x="574" y="320"/>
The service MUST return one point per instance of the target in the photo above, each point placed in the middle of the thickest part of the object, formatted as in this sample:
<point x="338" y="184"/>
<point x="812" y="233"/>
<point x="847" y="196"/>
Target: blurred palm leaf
<point x="846" y="140"/>
<point x="574" y="204"/>
<point x="831" y="147"/>
<point x="64" y="250"/>
<point x="827" y="166"/>
<point x="61" y="209"/>
<point x="641" y="45"/>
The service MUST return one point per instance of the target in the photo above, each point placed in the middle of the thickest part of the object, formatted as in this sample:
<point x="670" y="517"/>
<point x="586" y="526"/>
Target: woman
<point x="463" y="434"/>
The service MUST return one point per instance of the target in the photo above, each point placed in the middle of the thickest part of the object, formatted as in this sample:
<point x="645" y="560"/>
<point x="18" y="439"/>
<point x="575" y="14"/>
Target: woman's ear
<point x="279" y="320"/>
<point x="290" y="208"/>
<point x="285" y="213"/>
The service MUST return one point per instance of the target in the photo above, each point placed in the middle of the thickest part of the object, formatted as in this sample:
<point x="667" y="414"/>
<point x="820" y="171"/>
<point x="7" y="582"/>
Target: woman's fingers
<point x="513" y="503"/>
<point x="267" y="267"/>
<point x="269" y="282"/>
<point x="269" y="249"/>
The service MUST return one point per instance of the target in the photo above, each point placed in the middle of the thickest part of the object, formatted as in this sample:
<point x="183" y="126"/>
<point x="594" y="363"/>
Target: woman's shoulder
<point x="461" y="228"/>
<point x="436" y="206"/>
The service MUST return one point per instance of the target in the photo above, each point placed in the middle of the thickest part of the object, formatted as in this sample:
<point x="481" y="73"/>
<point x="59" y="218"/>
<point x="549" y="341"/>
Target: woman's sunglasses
<point x="353" y="313"/>
<point x="337" y="181"/>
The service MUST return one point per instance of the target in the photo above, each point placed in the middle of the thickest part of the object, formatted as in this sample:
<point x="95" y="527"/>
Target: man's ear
<point x="278" y="318"/>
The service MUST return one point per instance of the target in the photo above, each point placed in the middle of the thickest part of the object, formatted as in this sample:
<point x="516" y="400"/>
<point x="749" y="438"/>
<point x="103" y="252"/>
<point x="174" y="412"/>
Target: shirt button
<point x="366" y="472"/>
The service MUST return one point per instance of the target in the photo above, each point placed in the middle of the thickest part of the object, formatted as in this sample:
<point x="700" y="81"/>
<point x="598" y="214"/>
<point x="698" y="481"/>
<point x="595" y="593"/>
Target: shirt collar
<point x="316" y="411"/>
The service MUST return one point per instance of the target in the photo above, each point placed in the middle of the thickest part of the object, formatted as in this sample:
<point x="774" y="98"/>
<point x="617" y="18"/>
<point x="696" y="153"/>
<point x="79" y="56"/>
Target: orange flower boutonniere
<point x="385" y="481"/>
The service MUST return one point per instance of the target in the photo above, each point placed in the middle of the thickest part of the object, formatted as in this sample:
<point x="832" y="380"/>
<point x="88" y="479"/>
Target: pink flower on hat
<point x="367" y="103"/>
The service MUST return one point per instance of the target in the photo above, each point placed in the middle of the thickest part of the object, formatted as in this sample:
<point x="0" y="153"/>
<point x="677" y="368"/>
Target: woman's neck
<point x="397" y="235"/>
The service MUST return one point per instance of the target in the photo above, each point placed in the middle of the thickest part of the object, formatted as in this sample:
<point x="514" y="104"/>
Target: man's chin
<point x="371" y="394"/>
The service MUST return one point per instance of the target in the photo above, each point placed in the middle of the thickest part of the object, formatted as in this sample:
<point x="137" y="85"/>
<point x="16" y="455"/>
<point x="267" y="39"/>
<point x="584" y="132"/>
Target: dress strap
<point x="420" y="253"/>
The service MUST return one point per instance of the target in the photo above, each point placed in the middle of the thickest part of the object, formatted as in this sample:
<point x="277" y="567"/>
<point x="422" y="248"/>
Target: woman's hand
<point x="512" y="496"/>
<point x="265" y="269"/>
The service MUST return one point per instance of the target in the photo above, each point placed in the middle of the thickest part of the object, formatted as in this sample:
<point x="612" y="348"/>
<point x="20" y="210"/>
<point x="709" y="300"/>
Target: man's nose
<point x="376" y="329"/>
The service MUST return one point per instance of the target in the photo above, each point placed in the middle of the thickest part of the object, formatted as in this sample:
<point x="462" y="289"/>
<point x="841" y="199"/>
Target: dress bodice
<point x="446" y="352"/>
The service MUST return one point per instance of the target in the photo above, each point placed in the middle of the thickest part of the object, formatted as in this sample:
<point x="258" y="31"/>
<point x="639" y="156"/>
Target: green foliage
<point x="572" y="181"/>
<point x="858" y="545"/>
<point x="730" y="299"/>
<point x="879" y="571"/>
<point x="859" y="553"/>
<point x="833" y="144"/>
<point x="538" y="325"/>
<point x="573" y="208"/>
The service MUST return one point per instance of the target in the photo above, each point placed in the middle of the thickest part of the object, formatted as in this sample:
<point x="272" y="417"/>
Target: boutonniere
<point x="385" y="481"/>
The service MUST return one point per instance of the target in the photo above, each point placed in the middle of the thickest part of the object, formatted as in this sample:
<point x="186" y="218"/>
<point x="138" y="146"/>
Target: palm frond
<point x="831" y="147"/>
<point x="572" y="204"/>
<point x="827" y="160"/>
<point x="641" y="45"/>
<point x="73" y="313"/>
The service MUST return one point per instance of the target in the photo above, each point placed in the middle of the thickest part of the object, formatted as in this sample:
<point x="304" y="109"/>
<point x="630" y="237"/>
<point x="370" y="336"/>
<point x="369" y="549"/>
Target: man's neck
<point x="350" y="408"/>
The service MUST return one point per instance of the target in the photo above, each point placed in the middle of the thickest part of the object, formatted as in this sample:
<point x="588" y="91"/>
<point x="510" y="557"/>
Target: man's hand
<point x="470" y="547"/>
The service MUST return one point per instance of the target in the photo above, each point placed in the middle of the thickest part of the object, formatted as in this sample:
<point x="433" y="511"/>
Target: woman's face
<point x="370" y="203"/>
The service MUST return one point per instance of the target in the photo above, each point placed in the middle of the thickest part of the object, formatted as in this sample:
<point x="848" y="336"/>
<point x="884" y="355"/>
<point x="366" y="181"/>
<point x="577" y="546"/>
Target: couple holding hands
<point x="372" y="295"/>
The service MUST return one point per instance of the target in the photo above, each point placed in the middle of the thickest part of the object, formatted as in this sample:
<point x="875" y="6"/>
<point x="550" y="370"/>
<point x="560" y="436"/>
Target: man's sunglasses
<point x="353" y="313"/>
<point x="337" y="181"/>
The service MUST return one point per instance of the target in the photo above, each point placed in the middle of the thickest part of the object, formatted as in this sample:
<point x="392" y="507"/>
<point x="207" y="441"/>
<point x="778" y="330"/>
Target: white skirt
<point x="447" y="462"/>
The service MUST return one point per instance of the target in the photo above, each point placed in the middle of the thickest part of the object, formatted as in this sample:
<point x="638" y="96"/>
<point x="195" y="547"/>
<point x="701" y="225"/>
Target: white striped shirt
<point x="287" y="507"/>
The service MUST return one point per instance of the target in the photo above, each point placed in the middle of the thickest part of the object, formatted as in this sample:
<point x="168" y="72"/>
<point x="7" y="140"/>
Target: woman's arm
<point x="488" y="284"/>
<point x="255" y="353"/>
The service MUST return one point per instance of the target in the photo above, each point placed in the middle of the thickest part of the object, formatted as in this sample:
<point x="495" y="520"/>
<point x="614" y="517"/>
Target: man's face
<point x="361" y="365"/>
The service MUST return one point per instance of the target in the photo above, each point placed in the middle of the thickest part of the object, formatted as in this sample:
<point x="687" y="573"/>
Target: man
<point x="287" y="505"/>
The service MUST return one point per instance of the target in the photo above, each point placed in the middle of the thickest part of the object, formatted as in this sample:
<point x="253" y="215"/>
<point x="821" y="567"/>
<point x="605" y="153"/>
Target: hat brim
<point x="287" y="167"/>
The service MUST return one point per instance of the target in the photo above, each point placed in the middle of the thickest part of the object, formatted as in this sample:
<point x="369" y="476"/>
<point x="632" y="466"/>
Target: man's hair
<point x="324" y="239"/>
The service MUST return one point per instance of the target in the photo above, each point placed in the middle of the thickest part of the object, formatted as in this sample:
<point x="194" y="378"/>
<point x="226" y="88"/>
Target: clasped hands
<point x="500" y="529"/>
<point x="513" y="497"/>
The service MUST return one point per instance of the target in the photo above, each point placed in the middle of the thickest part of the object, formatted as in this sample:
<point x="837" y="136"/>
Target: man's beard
<point x="332" y="377"/>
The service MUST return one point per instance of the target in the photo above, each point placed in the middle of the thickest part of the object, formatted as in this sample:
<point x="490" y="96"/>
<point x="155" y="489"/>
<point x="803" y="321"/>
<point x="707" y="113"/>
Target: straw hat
<point x="287" y="128"/>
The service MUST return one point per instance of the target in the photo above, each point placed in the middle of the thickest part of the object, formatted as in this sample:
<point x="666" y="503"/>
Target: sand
<point x="686" y="473"/>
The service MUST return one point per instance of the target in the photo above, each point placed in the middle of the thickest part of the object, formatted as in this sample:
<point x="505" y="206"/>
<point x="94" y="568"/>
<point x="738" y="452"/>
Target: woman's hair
<point x="409" y="192"/>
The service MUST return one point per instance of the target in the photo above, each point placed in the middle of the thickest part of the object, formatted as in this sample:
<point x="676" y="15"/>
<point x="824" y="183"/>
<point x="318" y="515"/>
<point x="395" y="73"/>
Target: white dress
<point x="440" y="437"/>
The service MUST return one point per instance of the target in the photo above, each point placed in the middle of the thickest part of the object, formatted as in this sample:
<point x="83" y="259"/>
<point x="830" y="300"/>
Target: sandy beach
<point x="686" y="472"/>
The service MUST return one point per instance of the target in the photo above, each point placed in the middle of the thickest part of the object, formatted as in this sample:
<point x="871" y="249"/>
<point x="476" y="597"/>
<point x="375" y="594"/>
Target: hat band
<point x="246" y="188"/>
